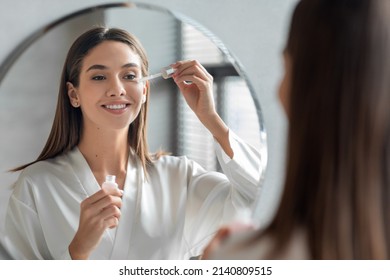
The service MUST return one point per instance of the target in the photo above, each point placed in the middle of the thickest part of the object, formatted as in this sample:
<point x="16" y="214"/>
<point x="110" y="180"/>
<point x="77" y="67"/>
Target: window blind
<point x="232" y="97"/>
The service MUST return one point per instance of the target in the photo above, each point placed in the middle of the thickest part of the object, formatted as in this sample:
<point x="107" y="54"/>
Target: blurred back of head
<point x="337" y="178"/>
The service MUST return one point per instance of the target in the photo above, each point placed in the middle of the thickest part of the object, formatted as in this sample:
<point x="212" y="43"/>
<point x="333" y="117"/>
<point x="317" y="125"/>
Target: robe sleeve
<point x="24" y="237"/>
<point x="214" y="199"/>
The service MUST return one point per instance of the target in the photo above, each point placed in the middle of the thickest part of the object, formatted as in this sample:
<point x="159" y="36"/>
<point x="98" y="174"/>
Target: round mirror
<point x="29" y="81"/>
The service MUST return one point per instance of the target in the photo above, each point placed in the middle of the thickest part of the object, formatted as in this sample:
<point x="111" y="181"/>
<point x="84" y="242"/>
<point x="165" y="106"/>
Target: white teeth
<point x="115" y="107"/>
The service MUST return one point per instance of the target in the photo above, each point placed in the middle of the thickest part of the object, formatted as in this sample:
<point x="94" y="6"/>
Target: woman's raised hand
<point x="196" y="85"/>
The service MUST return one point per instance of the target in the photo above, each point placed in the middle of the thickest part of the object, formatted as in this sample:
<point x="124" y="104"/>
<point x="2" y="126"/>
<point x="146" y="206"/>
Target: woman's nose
<point x="116" y="88"/>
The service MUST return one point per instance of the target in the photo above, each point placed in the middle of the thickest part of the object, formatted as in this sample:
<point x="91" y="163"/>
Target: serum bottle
<point x="110" y="182"/>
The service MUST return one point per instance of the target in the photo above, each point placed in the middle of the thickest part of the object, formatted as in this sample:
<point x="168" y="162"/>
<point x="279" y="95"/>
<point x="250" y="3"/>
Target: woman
<point x="336" y="93"/>
<point x="165" y="207"/>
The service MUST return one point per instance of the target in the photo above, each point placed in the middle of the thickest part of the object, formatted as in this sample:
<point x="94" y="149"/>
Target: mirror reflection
<point x="28" y="93"/>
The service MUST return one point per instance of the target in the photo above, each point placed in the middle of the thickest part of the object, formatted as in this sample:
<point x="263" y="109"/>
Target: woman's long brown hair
<point x="338" y="155"/>
<point x="68" y="122"/>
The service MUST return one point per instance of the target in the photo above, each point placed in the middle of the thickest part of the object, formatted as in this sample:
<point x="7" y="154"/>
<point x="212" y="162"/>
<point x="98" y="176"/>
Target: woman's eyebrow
<point x="97" y="67"/>
<point x="103" y="67"/>
<point x="131" y="65"/>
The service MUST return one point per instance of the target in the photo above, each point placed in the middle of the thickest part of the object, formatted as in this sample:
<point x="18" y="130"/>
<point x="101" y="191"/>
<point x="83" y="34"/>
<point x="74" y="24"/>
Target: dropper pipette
<point x="151" y="77"/>
<point x="165" y="72"/>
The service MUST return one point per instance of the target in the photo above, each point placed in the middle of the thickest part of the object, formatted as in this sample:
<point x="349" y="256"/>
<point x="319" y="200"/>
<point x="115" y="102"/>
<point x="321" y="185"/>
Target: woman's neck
<point x="106" y="152"/>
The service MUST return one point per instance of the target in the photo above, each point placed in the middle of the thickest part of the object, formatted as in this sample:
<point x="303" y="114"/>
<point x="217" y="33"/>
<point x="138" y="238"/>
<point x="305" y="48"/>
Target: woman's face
<point x="285" y="84"/>
<point x="109" y="93"/>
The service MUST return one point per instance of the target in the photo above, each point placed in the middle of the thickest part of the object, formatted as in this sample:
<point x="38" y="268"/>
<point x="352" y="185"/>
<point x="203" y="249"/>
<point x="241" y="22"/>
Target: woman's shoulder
<point x="42" y="172"/>
<point x="179" y="164"/>
<point x="168" y="160"/>
<point x="49" y="166"/>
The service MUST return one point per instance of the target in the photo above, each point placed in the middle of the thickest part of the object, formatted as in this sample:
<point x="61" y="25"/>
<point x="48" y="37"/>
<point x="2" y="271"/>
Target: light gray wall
<point x="253" y="30"/>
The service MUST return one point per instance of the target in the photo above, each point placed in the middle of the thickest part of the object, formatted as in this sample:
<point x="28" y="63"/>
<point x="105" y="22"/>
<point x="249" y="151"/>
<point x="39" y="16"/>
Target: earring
<point x="76" y="104"/>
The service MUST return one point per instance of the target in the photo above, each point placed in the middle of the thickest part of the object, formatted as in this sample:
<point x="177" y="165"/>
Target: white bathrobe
<point x="171" y="215"/>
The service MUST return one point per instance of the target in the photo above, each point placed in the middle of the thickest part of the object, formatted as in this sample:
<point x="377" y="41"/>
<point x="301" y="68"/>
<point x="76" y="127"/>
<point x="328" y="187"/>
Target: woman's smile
<point x="116" y="108"/>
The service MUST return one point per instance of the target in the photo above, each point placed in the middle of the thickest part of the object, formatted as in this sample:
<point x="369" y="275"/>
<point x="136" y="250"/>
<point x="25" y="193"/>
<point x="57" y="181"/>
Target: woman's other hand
<point x="223" y="234"/>
<point x="97" y="213"/>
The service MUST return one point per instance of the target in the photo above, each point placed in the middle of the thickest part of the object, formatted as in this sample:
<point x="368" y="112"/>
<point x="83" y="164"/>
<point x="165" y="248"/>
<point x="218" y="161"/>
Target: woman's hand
<point x="97" y="213"/>
<point x="196" y="85"/>
<point x="223" y="234"/>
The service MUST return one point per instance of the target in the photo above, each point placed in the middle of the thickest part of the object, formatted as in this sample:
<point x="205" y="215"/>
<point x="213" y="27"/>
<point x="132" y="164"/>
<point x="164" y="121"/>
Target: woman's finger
<point x="190" y="67"/>
<point x="102" y="193"/>
<point x="107" y="201"/>
<point x="219" y="237"/>
<point x="110" y="211"/>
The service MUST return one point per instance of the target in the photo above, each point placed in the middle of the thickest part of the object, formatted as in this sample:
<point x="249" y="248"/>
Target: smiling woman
<point x="165" y="207"/>
<point x="105" y="133"/>
<point x="167" y="37"/>
<point x="108" y="80"/>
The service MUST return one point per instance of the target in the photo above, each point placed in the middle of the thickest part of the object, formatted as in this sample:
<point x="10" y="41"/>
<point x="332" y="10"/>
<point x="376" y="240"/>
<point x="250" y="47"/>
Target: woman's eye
<point x="130" y="77"/>
<point x="98" y="78"/>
